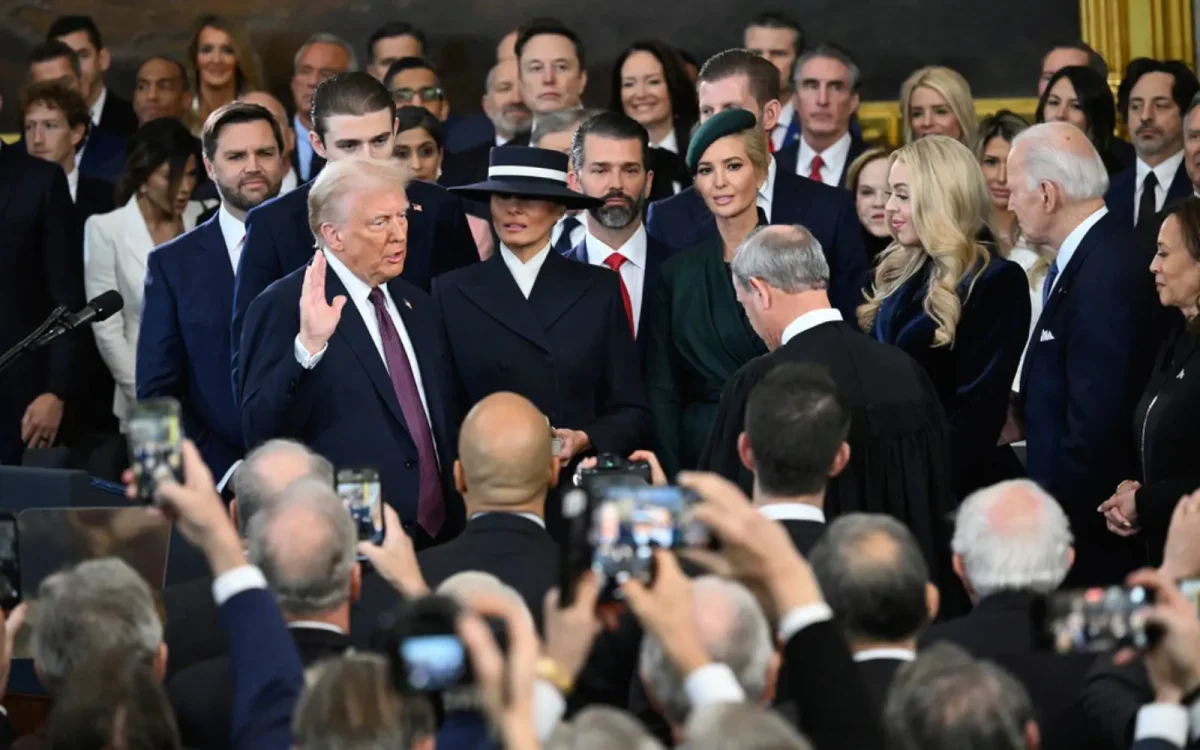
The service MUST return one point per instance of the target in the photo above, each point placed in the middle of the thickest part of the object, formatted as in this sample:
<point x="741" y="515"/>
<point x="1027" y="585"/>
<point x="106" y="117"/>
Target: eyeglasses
<point x="427" y="94"/>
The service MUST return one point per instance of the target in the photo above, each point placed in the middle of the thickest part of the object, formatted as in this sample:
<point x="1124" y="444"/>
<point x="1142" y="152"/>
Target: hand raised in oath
<point x="318" y="318"/>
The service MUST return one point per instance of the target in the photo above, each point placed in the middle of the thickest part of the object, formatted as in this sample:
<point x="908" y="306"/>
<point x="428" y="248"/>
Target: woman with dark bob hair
<point x="650" y="85"/>
<point x="161" y="160"/>
<point x="1164" y="426"/>
<point x="1081" y="96"/>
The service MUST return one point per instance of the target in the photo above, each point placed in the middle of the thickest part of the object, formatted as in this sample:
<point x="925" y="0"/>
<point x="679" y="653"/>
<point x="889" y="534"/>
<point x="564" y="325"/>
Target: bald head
<point x="268" y="470"/>
<point x="504" y="453"/>
<point x="1012" y="536"/>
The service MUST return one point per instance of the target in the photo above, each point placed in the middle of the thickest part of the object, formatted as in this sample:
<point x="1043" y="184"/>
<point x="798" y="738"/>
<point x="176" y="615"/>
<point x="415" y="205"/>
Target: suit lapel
<point x="495" y="291"/>
<point x="138" y="241"/>
<point x="559" y="285"/>
<point x="353" y="331"/>
<point x="422" y="336"/>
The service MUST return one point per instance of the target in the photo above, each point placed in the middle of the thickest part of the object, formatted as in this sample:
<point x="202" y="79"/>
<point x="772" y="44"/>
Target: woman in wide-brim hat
<point x="531" y="321"/>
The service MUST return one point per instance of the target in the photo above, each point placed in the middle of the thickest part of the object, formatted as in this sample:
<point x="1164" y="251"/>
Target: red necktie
<point x="431" y="512"/>
<point x="815" y="171"/>
<point x="615" y="261"/>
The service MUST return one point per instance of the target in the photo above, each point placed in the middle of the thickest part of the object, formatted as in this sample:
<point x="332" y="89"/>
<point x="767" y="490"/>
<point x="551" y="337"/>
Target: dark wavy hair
<point x="685" y="108"/>
<point x="1188" y="213"/>
<point x="1096" y="102"/>
<point x="164" y="140"/>
<point x="411" y="118"/>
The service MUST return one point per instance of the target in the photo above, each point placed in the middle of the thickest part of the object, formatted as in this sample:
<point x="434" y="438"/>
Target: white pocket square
<point x="1046" y="336"/>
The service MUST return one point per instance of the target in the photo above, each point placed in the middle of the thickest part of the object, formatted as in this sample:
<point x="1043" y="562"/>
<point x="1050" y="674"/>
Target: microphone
<point x="102" y="307"/>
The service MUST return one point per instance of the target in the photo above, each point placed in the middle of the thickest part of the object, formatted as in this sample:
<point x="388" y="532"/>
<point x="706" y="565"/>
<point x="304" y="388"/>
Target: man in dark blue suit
<point x="353" y="115"/>
<point x="1092" y="349"/>
<point x="1154" y="96"/>
<point x="352" y="362"/>
<point x="183" y="343"/>
<point x="736" y="79"/>
<point x="609" y="162"/>
<point x="827" y="97"/>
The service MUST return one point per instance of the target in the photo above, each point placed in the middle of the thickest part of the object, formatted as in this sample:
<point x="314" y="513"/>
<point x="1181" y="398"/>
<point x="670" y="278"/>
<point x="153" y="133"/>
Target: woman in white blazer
<point x="153" y="194"/>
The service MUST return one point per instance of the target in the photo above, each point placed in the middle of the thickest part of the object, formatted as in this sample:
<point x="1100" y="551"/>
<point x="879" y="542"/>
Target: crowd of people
<point x="918" y="390"/>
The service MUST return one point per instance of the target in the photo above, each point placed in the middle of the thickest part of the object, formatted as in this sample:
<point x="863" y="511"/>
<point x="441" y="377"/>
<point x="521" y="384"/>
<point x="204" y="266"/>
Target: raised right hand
<point x="318" y="318"/>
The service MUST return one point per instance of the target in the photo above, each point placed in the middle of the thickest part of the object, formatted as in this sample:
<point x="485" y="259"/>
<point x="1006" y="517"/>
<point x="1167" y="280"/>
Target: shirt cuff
<point x="306" y="360"/>
<point x="712" y="683"/>
<point x="228" y="475"/>
<point x="233" y="582"/>
<point x="802" y="617"/>
<point x="549" y="706"/>
<point x="1162" y="721"/>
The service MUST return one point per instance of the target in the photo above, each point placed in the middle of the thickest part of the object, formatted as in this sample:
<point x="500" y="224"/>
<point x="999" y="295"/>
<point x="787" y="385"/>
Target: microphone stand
<point x="32" y="341"/>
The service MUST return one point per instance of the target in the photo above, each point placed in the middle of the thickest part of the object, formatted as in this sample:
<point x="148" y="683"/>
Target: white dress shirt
<point x="290" y="180"/>
<point x="767" y="191"/>
<point x="534" y="517"/>
<point x="1164" y="173"/>
<point x="501" y="140"/>
<point x="810" y="319"/>
<point x="304" y="149"/>
<point x="670" y="142"/>
<point x="786" y="113"/>
<point x="792" y="512"/>
<point x="576" y="234"/>
<point x="898" y="654"/>
<point x="316" y="625"/>
<point x="525" y="274"/>
<point x="358" y="291"/>
<point x="633" y="271"/>
<point x="833" y="159"/>
<point x="73" y="184"/>
<point x="234" y="232"/>
<point x="97" y="109"/>
<point x="1071" y="243"/>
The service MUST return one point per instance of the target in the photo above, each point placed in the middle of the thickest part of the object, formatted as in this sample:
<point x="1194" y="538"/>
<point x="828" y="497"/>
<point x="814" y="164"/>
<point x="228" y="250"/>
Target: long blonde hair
<point x="952" y="87"/>
<point x="950" y="206"/>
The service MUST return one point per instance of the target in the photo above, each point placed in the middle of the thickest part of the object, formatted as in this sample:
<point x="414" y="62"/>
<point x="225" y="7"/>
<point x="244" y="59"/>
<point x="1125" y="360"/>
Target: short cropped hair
<point x="1184" y="86"/>
<point x="236" y="113"/>
<point x="52" y="49"/>
<point x="788" y="258"/>
<point x="66" y="25"/>
<point x="352" y="93"/>
<point x="764" y="80"/>
<point x="616" y="126"/>
<point x="1095" y="59"/>
<point x="409" y="63"/>
<point x="776" y="19"/>
<point x="324" y="37"/>
<point x="391" y="30"/>
<point x="553" y="26"/>
<point x="255" y="491"/>
<point x="832" y="52"/>
<point x="1081" y="177"/>
<point x="558" y="121"/>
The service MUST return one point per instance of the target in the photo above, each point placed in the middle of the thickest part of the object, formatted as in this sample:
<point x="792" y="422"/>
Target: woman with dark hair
<point x="421" y="147"/>
<point x="1164" y="425"/>
<point x="649" y="84"/>
<point x="222" y="66"/>
<point x="153" y="194"/>
<point x="1081" y="96"/>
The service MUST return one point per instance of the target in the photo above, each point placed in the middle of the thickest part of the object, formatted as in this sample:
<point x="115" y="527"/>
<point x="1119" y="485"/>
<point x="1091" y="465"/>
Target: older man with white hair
<point x="1094" y="344"/>
<point x="349" y="359"/>
<point x="1012" y="546"/>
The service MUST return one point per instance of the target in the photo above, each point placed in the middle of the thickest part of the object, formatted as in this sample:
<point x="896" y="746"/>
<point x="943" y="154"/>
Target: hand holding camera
<point x="395" y="560"/>
<point x="1173" y="660"/>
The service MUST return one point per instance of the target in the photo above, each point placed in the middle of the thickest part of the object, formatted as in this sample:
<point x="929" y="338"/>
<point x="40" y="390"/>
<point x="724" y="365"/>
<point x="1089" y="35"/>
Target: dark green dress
<point x="698" y="338"/>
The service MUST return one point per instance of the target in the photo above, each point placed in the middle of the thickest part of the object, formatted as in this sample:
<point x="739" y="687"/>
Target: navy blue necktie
<point x="1051" y="275"/>
<point x="564" y="244"/>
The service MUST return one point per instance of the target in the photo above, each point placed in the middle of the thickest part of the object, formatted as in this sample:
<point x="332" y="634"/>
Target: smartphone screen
<point x="362" y="494"/>
<point x="629" y="522"/>
<point x="433" y="663"/>
<point x="155" y="444"/>
<point x="1096" y="620"/>
<point x="10" y="569"/>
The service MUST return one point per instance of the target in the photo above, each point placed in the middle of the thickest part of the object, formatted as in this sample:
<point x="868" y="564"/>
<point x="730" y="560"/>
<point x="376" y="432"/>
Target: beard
<point x="621" y="216"/>
<point x="232" y="194"/>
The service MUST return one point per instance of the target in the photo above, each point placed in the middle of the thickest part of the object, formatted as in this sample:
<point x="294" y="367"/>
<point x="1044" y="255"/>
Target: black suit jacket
<point x="192" y="631"/>
<point x="1085" y="368"/>
<point x="278" y="241"/>
<point x="669" y="169"/>
<point x="804" y="534"/>
<point x="568" y="348"/>
<point x="1001" y="629"/>
<point x="202" y="694"/>
<point x="103" y="155"/>
<point x="345" y="408"/>
<point x="466" y="167"/>
<point x="118" y="116"/>
<point x="1123" y="188"/>
<point x="684" y="221"/>
<point x="789" y="156"/>
<point x="92" y="197"/>
<point x="41" y="267"/>
<point x="878" y="675"/>
<point x="95" y="412"/>
<point x="514" y="549"/>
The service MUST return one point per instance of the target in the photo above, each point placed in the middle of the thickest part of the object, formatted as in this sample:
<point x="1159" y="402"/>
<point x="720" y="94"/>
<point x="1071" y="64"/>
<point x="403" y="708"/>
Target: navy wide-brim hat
<point x="726" y="122"/>
<point x="527" y="172"/>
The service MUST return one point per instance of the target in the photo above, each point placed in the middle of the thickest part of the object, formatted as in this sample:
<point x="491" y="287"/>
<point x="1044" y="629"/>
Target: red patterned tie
<point x="615" y="261"/>
<point x="431" y="511"/>
<point x="815" y="171"/>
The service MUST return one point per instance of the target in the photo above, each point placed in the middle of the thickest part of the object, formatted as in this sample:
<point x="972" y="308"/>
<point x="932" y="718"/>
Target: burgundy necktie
<point x="615" y="261"/>
<point x="431" y="511"/>
<point x="815" y="171"/>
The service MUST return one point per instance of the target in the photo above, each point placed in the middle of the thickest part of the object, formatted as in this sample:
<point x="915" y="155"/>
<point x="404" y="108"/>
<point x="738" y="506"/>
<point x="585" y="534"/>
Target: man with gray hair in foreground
<point x="733" y="630"/>
<point x="378" y="393"/>
<point x="897" y="427"/>
<point x="305" y="546"/>
<point x="1093" y="347"/>
<point x="1012" y="546"/>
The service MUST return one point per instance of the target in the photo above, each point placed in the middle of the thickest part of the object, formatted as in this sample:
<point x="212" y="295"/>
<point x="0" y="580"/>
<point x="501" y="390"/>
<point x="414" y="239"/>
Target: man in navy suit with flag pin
<point x="348" y="358"/>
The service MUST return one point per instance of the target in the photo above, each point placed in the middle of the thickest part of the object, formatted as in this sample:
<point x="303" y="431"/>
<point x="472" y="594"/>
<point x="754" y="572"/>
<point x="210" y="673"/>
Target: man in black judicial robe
<point x="899" y="439"/>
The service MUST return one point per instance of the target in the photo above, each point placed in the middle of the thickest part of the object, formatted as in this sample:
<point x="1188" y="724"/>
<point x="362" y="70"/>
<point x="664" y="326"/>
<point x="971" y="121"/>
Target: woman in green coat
<point x="699" y="336"/>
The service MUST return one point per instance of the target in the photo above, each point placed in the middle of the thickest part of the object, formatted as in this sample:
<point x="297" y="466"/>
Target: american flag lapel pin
<point x="416" y="206"/>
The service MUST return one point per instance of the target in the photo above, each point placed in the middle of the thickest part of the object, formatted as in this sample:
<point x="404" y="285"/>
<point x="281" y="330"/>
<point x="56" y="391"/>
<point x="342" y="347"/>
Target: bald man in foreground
<point x="504" y="471"/>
